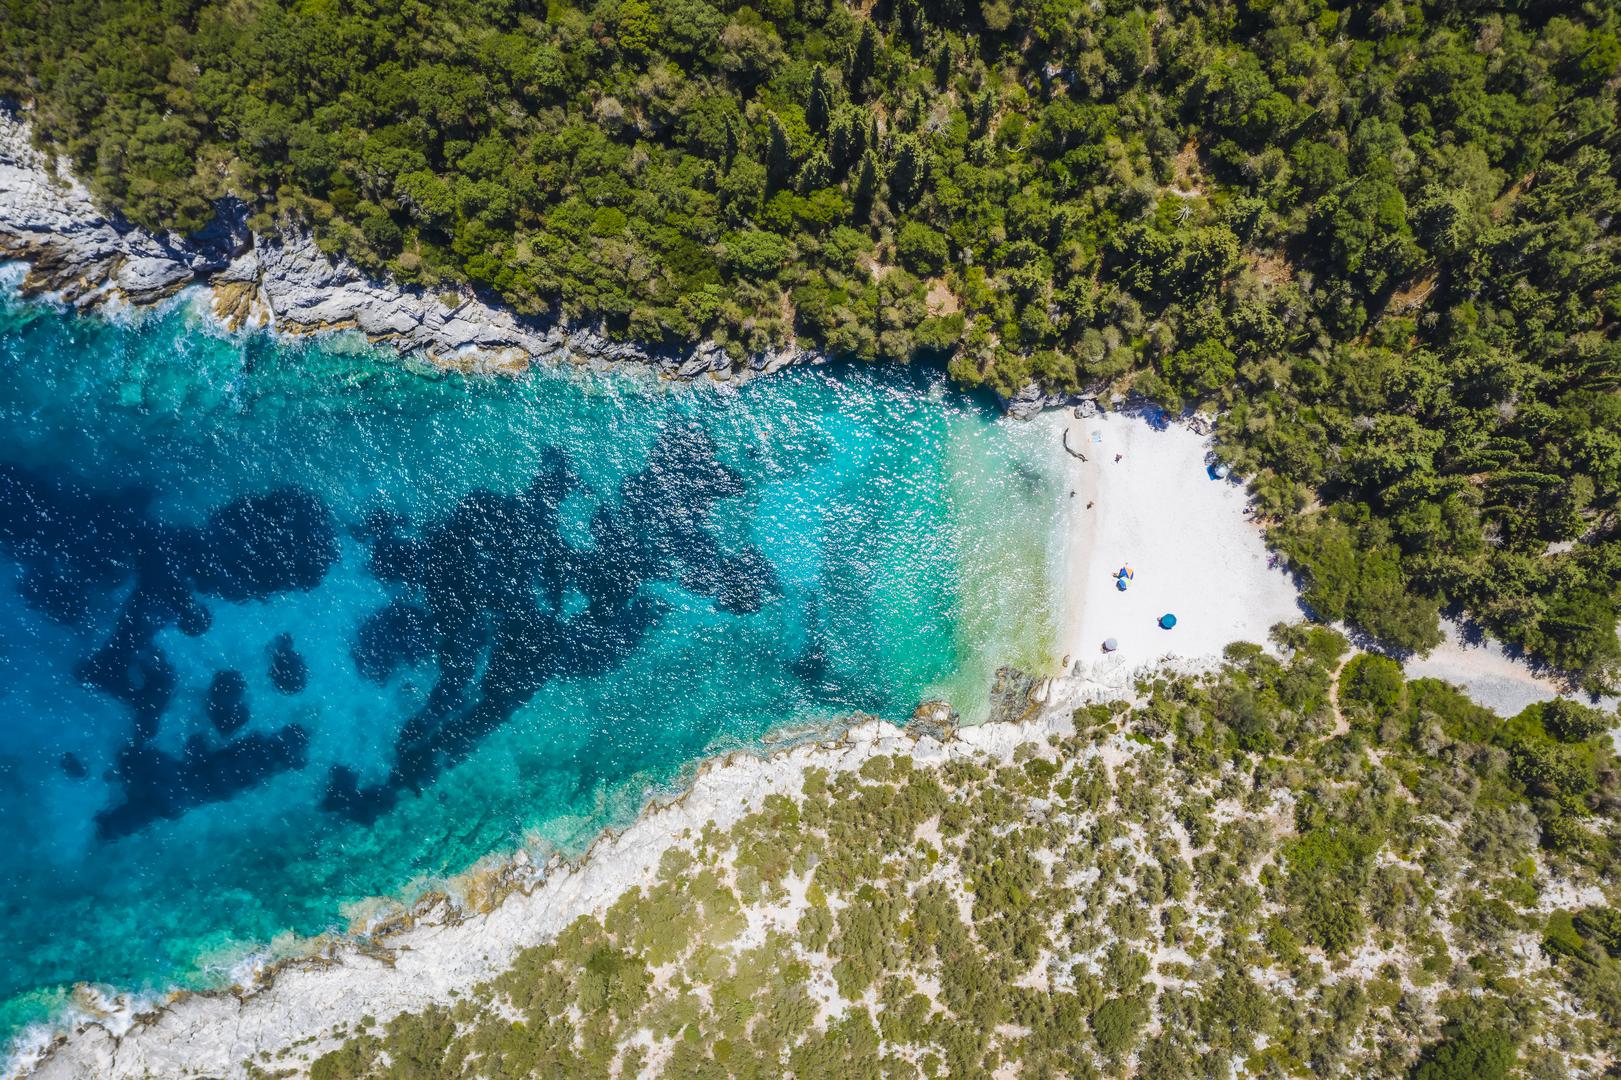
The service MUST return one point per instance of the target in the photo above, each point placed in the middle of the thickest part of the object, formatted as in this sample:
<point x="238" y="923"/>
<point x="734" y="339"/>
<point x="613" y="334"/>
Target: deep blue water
<point x="285" y="626"/>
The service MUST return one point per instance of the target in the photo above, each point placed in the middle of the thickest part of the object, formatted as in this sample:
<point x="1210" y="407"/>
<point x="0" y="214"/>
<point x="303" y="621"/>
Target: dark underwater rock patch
<point x="489" y="582"/>
<point x="228" y="702"/>
<point x="396" y="636"/>
<point x="158" y="785"/>
<point x="81" y="547"/>
<point x="260" y="545"/>
<point x="289" y="673"/>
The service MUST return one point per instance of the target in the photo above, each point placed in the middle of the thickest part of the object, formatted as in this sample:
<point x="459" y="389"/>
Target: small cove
<point x="285" y="625"/>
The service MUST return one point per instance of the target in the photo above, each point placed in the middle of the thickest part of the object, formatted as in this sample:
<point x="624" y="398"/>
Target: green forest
<point x="1378" y="238"/>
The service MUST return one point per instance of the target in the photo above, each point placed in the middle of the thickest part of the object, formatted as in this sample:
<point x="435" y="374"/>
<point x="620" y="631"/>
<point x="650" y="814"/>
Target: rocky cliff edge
<point x="80" y="256"/>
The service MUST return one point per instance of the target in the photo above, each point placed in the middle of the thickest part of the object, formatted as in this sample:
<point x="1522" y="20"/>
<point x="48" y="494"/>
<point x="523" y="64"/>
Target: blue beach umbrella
<point x="1166" y="621"/>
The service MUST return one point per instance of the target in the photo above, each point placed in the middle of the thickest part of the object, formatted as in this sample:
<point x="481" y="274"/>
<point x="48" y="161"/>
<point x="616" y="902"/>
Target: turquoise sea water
<point x="285" y="626"/>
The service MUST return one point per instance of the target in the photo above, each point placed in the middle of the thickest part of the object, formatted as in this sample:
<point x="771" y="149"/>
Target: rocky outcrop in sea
<point x="284" y="282"/>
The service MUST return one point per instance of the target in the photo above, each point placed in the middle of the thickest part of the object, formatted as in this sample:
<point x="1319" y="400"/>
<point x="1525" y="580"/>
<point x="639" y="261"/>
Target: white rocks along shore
<point x="306" y="1007"/>
<point x="285" y="283"/>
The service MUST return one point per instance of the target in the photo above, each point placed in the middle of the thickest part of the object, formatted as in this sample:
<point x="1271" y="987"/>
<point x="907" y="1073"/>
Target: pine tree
<point x="910" y="18"/>
<point x="819" y="109"/>
<point x="817" y="173"/>
<point x="905" y="173"/>
<point x="779" y="158"/>
<point x="864" y="61"/>
<point x="980" y="110"/>
<point x="847" y="140"/>
<point x="865" y="191"/>
<point x="944" y="61"/>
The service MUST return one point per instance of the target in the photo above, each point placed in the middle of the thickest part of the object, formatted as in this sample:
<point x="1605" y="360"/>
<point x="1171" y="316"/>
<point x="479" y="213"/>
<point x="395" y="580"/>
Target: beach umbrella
<point x="1121" y="584"/>
<point x="1110" y="644"/>
<point x="1166" y="621"/>
<point x="1125" y="572"/>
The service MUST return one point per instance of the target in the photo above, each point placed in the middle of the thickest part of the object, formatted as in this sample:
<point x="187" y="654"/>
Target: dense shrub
<point x="1469" y="1054"/>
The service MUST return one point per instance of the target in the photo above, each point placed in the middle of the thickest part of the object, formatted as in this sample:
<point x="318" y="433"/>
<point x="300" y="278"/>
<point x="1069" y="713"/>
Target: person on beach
<point x="1117" y="458"/>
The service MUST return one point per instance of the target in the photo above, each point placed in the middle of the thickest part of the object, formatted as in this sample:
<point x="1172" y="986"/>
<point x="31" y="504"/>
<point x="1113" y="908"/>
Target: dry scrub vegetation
<point x="1287" y="868"/>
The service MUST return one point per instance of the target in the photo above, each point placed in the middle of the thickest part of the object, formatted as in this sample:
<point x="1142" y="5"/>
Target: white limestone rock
<point x="286" y="283"/>
<point x="306" y="1006"/>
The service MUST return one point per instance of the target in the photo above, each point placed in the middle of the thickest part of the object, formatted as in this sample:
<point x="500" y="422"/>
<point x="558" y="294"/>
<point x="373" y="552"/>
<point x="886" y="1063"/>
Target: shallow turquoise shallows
<point x="287" y="626"/>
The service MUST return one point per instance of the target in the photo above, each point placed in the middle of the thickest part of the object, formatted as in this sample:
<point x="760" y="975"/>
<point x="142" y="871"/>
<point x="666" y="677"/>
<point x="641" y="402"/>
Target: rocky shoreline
<point x="399" y="957"/>
<point x="282" y="1014"/>
<point x="448" y="941"/>
<point x="285" y="283"/>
